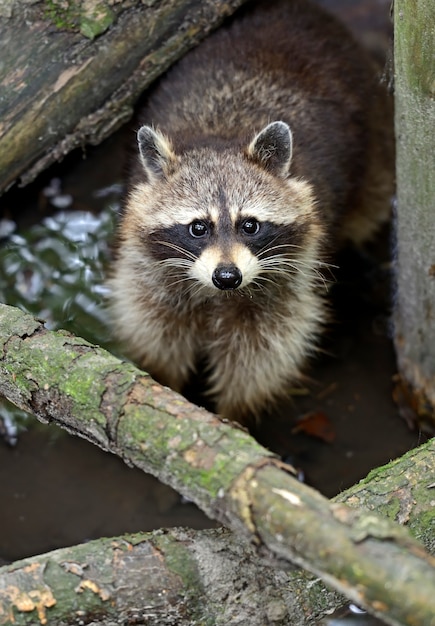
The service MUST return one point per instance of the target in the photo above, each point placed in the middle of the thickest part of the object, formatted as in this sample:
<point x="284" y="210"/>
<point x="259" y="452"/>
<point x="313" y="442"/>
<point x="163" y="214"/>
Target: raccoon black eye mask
<point x="263" y="239"/>
<point x="261" y="153"/>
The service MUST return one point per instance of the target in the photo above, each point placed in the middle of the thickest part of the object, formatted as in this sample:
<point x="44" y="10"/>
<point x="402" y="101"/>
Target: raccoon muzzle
<point x="227" y="277"/>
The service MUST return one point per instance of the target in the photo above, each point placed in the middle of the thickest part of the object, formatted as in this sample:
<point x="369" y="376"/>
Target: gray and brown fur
<point x="277" y="119"/>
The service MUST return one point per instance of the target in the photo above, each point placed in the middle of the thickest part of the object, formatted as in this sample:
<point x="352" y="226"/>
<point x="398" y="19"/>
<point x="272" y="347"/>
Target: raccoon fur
<point x="263" y="151"/>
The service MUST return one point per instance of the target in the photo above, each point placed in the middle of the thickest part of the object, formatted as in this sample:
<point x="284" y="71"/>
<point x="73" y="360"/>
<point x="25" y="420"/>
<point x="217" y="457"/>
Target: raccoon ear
<point x="272" y="148"/>
<point x="155" y="152"/>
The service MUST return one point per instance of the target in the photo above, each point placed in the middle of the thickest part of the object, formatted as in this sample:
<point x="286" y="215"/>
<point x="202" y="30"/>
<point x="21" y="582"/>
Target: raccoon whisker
<point x="281" y="271"/>
<point x="280" y="259"/>
<point x="294" y="259"/>
<point x="265" y="279"/>
<point x="256" y="283"/>
<point x="173" y="246"/>
<point x="267" y="250"/>
<point x="261" y="286"/>
<point x="281" y="245"/>
<point x="175" y="260"/>
<point x="269" y="247"/>
<point x="294" y="263"/>
<point x="190" y="288"/>
<point x="326" y="266"/>
<point x="288" y="272"/>
<point x="186" y="279"/>
<point x="176" y="263"/>
<point x="330" y="269"/>
<point x="283" y="265"/>
<point x="193" y="290"/>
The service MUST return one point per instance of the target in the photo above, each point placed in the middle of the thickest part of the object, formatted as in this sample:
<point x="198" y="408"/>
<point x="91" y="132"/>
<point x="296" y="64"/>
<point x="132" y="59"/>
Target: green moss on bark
<point x="96" y="19"/>
<point x="65" y="14"/>
<point x="89" y="17"/>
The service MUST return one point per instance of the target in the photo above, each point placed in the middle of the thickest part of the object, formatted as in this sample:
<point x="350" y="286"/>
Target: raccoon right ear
<point x="155" y="152"/>
<point x="272" y="148"/>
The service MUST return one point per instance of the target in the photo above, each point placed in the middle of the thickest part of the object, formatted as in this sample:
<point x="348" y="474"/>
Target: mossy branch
<point x="63" y="379"/>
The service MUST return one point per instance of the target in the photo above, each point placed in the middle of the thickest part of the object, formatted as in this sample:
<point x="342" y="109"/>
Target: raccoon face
<point x="225" y="220"/>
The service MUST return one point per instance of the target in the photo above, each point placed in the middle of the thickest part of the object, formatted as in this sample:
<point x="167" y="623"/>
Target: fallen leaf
<point x="315" y="424"/>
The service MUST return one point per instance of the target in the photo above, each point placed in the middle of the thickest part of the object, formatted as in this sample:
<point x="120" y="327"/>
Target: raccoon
<point x="262" y="152"/>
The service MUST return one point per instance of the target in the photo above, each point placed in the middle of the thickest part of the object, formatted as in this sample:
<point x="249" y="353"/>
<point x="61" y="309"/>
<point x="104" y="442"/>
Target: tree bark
<point x="177" y="577"/>
<point x="70" y="72"/>
<point x="91" y="393"/>
<point x="403" y="491"/>
<point x="415" y="260"/>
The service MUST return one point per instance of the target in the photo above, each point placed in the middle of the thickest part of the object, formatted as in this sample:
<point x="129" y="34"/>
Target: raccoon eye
<point x="250" y="226"/>
<point x="198" y="229"/>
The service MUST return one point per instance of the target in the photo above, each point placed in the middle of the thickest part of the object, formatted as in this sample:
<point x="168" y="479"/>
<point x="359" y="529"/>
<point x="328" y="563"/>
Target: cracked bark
<point x="91" y="393"/>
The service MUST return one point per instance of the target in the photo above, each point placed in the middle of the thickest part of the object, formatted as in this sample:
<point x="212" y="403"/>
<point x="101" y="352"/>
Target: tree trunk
<point x="70" y="72"/>
<point x="89" y="392"/>
<point x="415" y="261"/>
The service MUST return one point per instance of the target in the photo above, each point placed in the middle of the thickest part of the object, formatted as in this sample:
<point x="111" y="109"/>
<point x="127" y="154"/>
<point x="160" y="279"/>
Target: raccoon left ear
<point x="272" y="148"/>
<point x="155" y="152"/>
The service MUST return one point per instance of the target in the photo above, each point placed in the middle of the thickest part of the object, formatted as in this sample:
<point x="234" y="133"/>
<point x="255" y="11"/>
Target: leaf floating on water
<point x="316" y="424"/>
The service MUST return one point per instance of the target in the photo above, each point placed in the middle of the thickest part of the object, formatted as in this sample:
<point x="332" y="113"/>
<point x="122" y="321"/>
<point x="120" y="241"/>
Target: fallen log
<point x="71" y="72"/>
<point x="91" y="393"/>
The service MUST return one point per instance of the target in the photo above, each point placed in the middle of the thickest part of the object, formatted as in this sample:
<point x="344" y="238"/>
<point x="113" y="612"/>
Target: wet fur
<point x="312" y="189"/>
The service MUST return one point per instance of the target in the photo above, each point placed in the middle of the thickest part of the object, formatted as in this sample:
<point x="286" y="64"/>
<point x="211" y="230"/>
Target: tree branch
<point x="91" y="393"/>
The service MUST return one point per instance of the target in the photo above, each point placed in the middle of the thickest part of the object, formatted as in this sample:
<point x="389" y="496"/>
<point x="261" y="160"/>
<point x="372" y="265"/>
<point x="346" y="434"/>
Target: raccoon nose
<point x="227" y="277"/>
